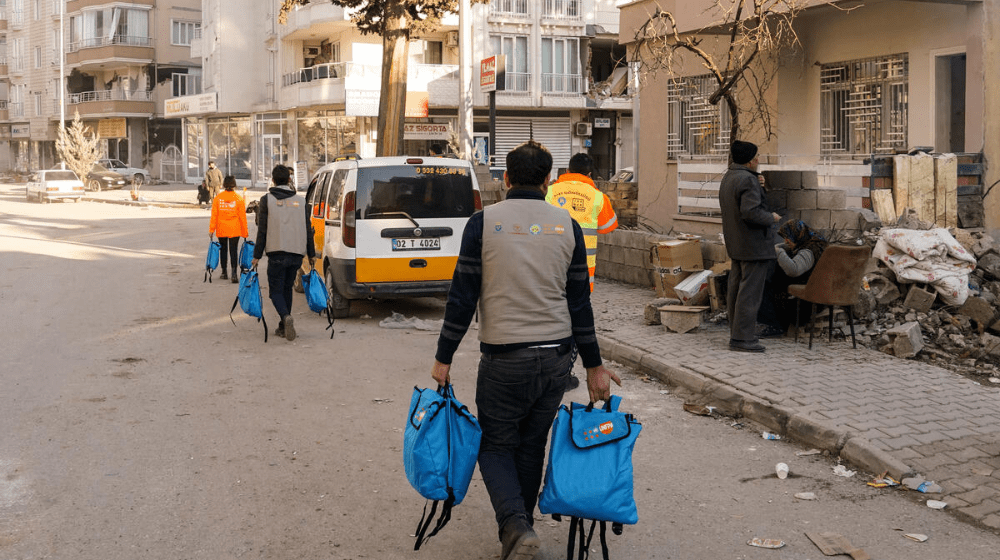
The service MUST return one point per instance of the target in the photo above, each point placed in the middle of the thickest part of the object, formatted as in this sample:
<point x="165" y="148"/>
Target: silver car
<point x="52" y="184"/>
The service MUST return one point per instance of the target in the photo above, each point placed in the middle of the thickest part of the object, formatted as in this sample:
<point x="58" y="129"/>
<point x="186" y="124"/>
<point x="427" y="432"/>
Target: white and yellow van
<point x="390" y="227"/>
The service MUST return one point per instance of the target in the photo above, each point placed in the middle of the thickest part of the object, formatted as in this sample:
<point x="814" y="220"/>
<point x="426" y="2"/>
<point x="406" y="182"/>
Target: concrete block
<point x="617" y="255"/>
<point x="984" y="246"/>
<point x="712" y="253"/>
<point x="816" y="219"/>
<point x="907" y="340"/>
<point x="810" y="180"/>
<point x="802" y="200"/>
<point x="919" y="299"/>
<point x="783" y="180"/>
<point x="849" y="220"/>
<point x="831" y="199"/>
<point x="682" y="318"/>
<point x="990" y="264"/>
<point x="868" y="220"/>
<point x="777" y="199"/>
<point x="990" y="343"/>
<point x="635" y="257"/>
<point x="979" y="310"/>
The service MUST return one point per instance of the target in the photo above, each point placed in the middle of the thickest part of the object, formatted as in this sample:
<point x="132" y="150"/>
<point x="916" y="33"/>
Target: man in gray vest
<point x="524" y="263"/>
<point x="284" y="232"/>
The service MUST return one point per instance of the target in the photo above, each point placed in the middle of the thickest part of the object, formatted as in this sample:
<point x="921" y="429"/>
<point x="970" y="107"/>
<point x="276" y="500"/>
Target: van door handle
<point x="418" y="263"/>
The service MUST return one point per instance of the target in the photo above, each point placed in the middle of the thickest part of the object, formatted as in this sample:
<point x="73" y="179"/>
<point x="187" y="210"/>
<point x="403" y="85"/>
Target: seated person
<point x="797" y="256"/>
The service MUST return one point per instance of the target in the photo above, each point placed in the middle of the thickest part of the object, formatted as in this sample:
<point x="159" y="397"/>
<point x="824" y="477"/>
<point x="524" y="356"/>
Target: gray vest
<point x="286" y="225"/>
<point x="527" y="249"/>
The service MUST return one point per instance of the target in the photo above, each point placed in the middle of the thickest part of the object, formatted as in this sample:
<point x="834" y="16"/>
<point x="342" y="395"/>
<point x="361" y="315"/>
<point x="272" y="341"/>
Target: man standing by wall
<point x="746" y="225"/>
<point x="213" y="179"/>
<point x="575" y="191"/>
<point x="284" y="232"/>
<point x="524" y="264"/>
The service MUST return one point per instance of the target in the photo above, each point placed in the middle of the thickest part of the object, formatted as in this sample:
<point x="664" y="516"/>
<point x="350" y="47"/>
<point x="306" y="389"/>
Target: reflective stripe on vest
<point x="584" y="204"/>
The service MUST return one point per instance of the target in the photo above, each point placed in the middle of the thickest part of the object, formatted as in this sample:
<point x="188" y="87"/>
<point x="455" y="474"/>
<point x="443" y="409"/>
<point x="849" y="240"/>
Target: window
<point x="109" y="26"/>
<point x="181" y="32"/>
<point x="515" y="47"/>
<point x="186" y="84"/>
<point x="38" y="104"/>
<point x="561" y="65"/>
<point x="562" y="8"/>
<point x="432" y="52"/>
<point x="509" y="8"/>
<point x="38" y="57"/>
<point x="864" y="106"/>
<point x="695" y="126"/>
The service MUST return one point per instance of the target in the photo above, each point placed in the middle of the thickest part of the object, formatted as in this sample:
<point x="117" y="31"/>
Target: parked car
<point x="134" y="175"/>
<point x="52" y="184"/>
<point x="102" y="178"/>
<point x="390" y="227"/>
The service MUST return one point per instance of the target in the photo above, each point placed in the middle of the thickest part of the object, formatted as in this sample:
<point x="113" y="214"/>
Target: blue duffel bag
<point x="249" y="299"/>
<point x="589" y="473"/>
<point x="440" y="448"/>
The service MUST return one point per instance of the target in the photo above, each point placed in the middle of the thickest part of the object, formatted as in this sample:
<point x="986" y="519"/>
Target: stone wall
<point x="624" y="255"/>
<point x="624" y="199"/>
<point x="796" y="195"/>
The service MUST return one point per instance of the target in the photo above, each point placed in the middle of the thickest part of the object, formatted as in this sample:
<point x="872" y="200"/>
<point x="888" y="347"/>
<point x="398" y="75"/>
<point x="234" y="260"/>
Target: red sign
<point x="492" y="74"/>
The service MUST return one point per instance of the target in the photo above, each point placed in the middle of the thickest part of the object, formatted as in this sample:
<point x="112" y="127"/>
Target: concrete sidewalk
<point x="167" y="195"/>
<point x="878" y="412"/>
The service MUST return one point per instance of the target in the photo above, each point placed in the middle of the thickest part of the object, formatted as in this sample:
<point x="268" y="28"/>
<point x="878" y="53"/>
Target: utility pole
<point x="465" y="78"/>
<point x="62" y="70"/>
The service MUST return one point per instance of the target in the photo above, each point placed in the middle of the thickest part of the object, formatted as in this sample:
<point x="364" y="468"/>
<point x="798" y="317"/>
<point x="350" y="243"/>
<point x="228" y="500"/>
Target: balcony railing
<point x="16" y="110"/>
<point x="329" y="71"/>
<point x="510" y="8"/>
<point x="127" y="40"/>
<point x="17" y="18"/>
<point x="562" y="9"/>
<point x="338" y="70"/>
<point x="18" y="63"/>
<point x="517" y="83"/>
<point x="109" y="95"/>
<point x="562" y="84"/>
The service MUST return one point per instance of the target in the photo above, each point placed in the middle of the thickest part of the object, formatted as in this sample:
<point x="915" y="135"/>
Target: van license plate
<point x="426" y="244"/>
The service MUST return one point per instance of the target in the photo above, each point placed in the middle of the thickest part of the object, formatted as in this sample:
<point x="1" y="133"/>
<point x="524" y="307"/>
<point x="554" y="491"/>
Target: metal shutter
<point x="553" y="133"/>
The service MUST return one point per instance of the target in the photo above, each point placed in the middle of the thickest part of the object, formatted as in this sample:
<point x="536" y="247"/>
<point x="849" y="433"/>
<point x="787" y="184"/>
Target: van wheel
<point x="340" y="307"/>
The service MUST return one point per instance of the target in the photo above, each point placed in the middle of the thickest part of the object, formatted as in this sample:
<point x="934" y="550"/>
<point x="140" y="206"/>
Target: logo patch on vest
<point x="498" y="227"/>
<point x="562" y="201"/>
<point x="535" y="229"/>
<point x="550" y="229"/>
<point x="579" y="204"/>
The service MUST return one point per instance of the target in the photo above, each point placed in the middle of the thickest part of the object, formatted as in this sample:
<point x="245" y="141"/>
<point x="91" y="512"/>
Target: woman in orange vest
<point x="229" y="223"/>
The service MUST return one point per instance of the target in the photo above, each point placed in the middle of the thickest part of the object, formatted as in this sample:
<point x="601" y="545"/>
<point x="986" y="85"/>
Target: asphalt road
<point x="136" y="421"/>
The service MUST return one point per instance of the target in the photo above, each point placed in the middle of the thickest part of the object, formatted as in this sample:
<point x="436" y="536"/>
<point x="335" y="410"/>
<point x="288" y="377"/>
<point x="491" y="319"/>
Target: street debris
<point x="936" y="504"/>
<point x="916" y="537"/>
<point x="769" y="435"/>
<point x="805" y="496"/>
<point x="699" y="409"/>
<point x="781" y="469"/>
<point x="400" y="321"/>
<point x="841" y="470"/>
<point x="381" y="401"/>
<point x="995" y="380"/>
<point x="832" y="544"/>
<point x="766" y="543"/>
<point x="808" y="453"/>
<point x="920" y="485"/>
<point x="884" y="481"/>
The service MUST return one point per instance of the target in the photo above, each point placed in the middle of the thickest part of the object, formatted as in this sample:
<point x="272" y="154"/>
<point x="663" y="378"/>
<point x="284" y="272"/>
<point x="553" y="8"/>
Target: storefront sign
<point x="112" y="128"/>
<point x="425" y="131"/>
<point x="361" y="103"/>
<point x="20" y="130"/>
<point x="417" y="104"/>
<point x="203" y="104"/>
<point x="301" y="176"/>
<point x="602" y="123"/>
<point x="492" y="73"/>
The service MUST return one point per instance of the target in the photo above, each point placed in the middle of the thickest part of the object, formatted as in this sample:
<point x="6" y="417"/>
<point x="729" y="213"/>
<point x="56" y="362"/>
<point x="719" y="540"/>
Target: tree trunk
<point x="734" y="120"/>
<point x="392" y="102"/>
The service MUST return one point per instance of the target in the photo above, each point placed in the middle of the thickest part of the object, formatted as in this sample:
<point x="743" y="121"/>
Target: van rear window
<point x="426" y="191"/>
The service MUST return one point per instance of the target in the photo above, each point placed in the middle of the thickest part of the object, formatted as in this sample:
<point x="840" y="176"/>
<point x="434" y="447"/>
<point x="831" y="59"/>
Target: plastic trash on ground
<point x="400" y="321"/>
<point x="936" y="504"/>
<point x="766" y="543"/>
<point x="781" y="469"/>
<point x="805" y="496"/>
<point x="884" y="481"/>
<point x="699" y="409"/>
<point x="841" y="470"/>
<point x="769" y="435"/>
<point x="916" y="537"/>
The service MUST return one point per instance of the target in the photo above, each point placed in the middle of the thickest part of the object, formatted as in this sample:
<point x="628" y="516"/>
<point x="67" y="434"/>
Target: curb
<point x="730" y="401"/>
<point x="141" y="203"/>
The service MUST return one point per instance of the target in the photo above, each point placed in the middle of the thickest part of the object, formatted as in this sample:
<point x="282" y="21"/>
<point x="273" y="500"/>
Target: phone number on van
<point x="429" y="244"/>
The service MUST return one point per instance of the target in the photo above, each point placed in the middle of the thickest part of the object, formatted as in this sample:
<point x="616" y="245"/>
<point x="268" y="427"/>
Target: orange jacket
<point x="229" y="216"/>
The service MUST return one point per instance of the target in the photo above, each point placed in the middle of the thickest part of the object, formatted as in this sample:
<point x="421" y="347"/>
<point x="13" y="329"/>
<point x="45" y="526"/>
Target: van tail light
<point x="349" y="229"/>
<point x="478" y="200"/>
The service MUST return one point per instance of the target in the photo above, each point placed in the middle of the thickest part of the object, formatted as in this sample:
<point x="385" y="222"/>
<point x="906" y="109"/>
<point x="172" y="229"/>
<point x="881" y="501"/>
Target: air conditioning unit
<point x="451" y="39"/>
<point x="584" y="129"/>
<point x="311" y="52"/>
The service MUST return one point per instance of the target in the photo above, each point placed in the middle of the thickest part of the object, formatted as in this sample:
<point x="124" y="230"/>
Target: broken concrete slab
<point x="919" y="299"/>
<point x="907" y="340"/>
<point x="979" y="310"/>
<point x="983" y="246"/>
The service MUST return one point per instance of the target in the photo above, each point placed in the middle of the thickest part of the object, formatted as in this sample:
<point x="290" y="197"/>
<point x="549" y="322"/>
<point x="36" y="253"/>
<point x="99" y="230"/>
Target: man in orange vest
<point x="575" y="191"/>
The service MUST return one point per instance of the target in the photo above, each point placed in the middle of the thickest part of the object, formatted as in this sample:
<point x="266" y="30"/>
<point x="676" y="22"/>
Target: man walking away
<point x="746" y="225"/>
<point x="284" y="233"/>
<point x="575" y="191"/>
<point x="524" y="263"/>
<point x="213" y="179"/>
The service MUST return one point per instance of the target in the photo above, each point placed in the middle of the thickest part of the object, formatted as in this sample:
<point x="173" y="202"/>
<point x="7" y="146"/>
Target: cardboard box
<point x="677" y="255"/>
<point x="664" y="282"/>
<point x="693" y="290"/>
<point x="681" y="318"/>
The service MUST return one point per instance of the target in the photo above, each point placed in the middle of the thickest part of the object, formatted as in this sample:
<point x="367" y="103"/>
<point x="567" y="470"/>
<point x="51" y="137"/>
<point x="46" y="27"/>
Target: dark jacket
<point x="258" y="249"/>
<point x="746" y="222"/>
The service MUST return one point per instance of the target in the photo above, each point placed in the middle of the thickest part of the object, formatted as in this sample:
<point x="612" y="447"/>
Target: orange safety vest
<point x="588" y="206"/>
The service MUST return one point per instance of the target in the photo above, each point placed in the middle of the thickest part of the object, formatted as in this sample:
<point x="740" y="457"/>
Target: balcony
<point x="510" y="10"/>
<point x="16" y="110"/>
<point x="17" y="18"/>
<point x="315" y="19"/>
<point x="326" y="84"/>
<point x="73" y="6"/>
<point x="570" y="85"/>
<point x="568" y="11"/>
<point x="102" y="52"/>
<point x="196" y="43"/>
<point x="17" y="64"/>
<point x="112" y="103"/>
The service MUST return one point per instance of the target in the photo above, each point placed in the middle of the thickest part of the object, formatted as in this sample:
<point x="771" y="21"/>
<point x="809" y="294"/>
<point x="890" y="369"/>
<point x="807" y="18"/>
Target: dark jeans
<point x="743" y="297"/>
<point x="517" y="395"/>
<point x="280" y="279"/>
<point x="776" y="309"/>
<point x="230" y="245"/>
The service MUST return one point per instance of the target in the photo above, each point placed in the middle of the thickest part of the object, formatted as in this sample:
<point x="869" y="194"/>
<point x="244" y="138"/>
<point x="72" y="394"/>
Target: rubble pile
<point x="957" y="327"/>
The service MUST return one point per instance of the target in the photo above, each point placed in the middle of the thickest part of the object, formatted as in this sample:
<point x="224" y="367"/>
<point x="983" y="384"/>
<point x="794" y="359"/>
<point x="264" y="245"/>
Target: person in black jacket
<point x="747" y="228"/>
<point x="284" y="233"/>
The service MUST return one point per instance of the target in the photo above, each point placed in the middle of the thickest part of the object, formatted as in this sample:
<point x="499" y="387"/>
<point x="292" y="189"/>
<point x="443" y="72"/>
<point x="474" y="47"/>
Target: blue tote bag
<point x="249" y="299"/>
<point x="246" y="254"/>
<point x="440" y="448"/>
<point x="211" y="260"/>
<point x="316" y="297"/>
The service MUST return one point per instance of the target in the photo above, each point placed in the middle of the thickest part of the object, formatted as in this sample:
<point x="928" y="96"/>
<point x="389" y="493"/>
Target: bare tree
<point x="742" y="50"/>
<point x="79" y="147"/>
<point x="396" y="21"/>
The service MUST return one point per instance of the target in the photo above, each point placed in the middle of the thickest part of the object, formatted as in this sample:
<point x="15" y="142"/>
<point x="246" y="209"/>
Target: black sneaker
<point x="770" y="331"/>
<point x="519" y="540"/>
<point x="223" y="276"/>
<point x="280" y="331"/>
<point x="236" y="278"/>
<point x="745" y="346"/>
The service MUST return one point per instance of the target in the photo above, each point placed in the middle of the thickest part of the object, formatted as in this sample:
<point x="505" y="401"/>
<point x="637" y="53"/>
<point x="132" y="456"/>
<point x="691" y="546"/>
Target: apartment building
<point x="308" y="90"/>
<point x="122" y="61"/>
<point x="869" y="79"/>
